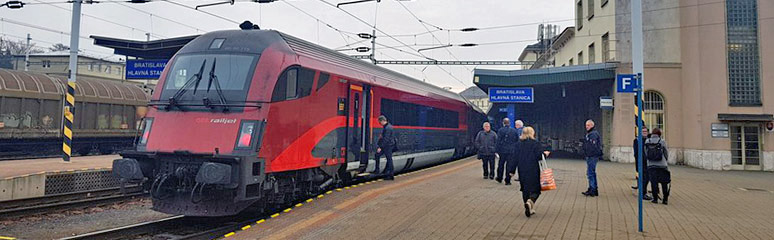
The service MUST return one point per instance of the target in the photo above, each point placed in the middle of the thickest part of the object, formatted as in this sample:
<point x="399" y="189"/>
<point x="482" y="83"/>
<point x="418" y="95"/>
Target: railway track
<point x="53" y="203"/>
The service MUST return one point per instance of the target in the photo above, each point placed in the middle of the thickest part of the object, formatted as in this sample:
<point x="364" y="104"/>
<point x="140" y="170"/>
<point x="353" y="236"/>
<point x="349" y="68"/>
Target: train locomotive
<point x="258" y="118"/>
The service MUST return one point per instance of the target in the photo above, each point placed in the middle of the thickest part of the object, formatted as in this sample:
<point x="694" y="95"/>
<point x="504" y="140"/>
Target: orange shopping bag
<point x="546" y="176"/>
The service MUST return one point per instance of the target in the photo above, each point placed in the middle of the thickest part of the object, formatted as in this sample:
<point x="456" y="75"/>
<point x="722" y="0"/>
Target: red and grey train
<point x="257" y="118"/>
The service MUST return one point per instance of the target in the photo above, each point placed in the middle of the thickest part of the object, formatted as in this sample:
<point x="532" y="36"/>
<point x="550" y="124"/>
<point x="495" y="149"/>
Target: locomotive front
<point x="198" y="151"/>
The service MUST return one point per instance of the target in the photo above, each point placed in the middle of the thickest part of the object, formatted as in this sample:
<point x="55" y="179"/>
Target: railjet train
<point x="257" y="118"/>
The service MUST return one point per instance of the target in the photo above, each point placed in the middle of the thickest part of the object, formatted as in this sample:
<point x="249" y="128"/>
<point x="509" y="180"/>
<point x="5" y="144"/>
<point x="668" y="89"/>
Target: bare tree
<point x="59" y="47"/>
<point x="17" y="47"/>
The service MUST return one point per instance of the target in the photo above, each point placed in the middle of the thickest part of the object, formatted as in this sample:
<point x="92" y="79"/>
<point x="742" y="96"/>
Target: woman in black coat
<point x="529" y="154"/>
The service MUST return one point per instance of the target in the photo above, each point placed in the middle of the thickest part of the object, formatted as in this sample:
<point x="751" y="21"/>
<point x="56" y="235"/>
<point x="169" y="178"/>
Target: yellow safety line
<point x="230" y="234"/>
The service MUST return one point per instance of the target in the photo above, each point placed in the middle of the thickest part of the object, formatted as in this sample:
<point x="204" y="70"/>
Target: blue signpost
<point x="511" y="96"/>
<point x="145" y="69"/>
<point x="632" y="83"/>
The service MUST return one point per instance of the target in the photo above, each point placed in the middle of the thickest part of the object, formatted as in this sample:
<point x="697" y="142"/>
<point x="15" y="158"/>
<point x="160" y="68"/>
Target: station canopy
<point x="485" y="78"/>
<point x="155" y="49"/>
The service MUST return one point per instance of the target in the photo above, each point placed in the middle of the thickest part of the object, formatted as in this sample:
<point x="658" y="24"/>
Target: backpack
<point x="654" y="151"/>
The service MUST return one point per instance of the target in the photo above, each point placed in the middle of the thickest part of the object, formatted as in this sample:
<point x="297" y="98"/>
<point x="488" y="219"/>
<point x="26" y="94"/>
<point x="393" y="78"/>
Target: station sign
<point x="145" y="68"/>
<point x="626" y="83"/>
<point x="511" y="95"/>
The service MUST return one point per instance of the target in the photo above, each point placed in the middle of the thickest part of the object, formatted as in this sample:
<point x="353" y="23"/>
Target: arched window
<point x="654" y="110"/>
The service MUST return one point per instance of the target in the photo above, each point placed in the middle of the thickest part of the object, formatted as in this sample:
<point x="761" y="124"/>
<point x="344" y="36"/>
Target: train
<point x="258" y="118"/>
<point x="107" y="114"/>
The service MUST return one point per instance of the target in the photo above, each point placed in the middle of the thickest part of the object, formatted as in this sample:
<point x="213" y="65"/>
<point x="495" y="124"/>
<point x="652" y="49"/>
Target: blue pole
<point x="512" y="113"/>
<point x="639" y="146"/>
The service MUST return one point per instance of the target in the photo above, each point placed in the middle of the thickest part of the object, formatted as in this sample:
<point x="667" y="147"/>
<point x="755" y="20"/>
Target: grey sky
<point x="392" y="18"/>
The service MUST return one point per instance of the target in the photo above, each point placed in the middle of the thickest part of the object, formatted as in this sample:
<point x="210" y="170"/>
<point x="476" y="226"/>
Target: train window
<point x="103" y="116"/>
<point x="305" y="82"/>
<point x="116" y="116"/>
<point x="217" y="43"/>
<point x="90" y="116"/>
<point x="10" y="112"/>
<point x="410" y="114"/>
<point x="291" y="91"/>
<point x="324" y="77"/>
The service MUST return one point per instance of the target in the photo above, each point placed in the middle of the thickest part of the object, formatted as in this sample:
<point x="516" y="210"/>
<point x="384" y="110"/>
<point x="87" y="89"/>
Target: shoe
<point x="491" y="176"/>
<point x="646" y="198"/>
<point x="655" y="199"/>
<point x="587" y="193"/>
<point x="486" y="177"/>
<point x="507" y="183"/>
<point x="528" y="208"/>
<point x="595" y="193"/>
<point x="665" y="200"/>
<point x="499" y="180"/>
<point x="390" y="178"/>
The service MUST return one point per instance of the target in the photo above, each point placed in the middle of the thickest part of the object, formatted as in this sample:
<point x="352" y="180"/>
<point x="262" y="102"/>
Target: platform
<point x="453" y="202"/>
<point x="31" y="178"/>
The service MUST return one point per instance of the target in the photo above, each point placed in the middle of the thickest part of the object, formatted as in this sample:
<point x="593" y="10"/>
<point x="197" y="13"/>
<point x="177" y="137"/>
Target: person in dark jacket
<point x="592" y="150"/>
<point x="486" y="145"/>
<point x="529" y="154"/>
<point x="658" y="169"/>
<point x="386" y="144"/>
<point x="507" y="141"/>
<point x="637" y="162"/>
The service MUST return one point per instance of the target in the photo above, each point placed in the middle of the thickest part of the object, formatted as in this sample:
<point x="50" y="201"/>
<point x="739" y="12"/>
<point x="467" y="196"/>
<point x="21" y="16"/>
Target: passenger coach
<point x="259" y="117"/>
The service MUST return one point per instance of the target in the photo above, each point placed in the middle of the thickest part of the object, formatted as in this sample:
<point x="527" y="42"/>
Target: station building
<point x="705" y="81"/>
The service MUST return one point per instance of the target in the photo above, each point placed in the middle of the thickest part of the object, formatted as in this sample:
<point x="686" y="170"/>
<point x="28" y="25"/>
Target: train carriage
<point x="260" y="117"/>
<point x="106" y="119"/>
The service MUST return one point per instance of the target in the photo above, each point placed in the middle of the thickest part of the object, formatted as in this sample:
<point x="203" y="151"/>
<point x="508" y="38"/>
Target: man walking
<point x="486" y="145"/>
<point x="386" y="145"/>
<point x="507" y="140"/>
<point x="592" y="150"/>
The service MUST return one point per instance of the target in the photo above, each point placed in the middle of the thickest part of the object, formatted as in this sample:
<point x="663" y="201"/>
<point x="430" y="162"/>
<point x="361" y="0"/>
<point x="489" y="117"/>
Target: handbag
<point x="547" y="181"/>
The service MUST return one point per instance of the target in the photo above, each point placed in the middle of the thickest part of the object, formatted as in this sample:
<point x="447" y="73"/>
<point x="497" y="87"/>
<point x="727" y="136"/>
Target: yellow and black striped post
<point x="67" y="126"/>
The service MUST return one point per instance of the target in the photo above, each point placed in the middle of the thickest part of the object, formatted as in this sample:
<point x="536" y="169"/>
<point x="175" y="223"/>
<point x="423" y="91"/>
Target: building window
<point x="604" y="3"/>
<point x="743" y="57"/>
<point x="570" y="63"/>
<point x="107" y="69"/>
<point x="46" y="63"/>
<point x="90" y="67"/>
<point x="653" y="112"/>
<point x="605" y="47"/>
<point x="592" y="53"/>
<point x="591" y="10"/>
<point x="118" y="71"/>
<point x="579" y="14"/>
<point x="580" y="58"/>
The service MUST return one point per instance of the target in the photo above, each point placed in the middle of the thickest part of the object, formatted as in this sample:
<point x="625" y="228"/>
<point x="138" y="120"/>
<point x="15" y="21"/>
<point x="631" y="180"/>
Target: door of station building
<point x="358" y="122"/>
<point x="745" y="146"/>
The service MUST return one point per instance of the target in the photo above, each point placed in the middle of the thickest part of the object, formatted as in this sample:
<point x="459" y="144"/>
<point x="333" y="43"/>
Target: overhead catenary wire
<point x="424" y="24"/>
<point x="102" y="19"/>
<point x="199" y="10"/>
<point x="162" y="17"/>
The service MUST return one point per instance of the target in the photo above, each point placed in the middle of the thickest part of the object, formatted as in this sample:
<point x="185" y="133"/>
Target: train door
<point x="358" y="123"/>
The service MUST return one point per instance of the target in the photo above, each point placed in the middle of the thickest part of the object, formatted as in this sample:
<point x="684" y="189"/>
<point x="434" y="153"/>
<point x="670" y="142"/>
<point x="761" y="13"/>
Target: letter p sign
<point x="626" y="83"/>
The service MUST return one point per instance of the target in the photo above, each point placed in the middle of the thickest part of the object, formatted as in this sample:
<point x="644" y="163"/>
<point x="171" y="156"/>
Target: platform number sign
<point x="626" y="83"/>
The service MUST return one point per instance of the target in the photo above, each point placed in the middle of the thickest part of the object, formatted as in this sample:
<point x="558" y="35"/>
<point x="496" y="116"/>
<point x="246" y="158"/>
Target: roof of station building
<point x="485" y="78"/>
<point x="155" y="49"/>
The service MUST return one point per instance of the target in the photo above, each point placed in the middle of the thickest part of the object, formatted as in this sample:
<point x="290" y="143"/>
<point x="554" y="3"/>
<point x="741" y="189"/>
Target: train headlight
<point x="246" y="133"/>
<point x="146" y="130"/>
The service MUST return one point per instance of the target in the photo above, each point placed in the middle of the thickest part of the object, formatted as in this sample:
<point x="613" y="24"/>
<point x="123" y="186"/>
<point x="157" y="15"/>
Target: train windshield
<point x="216" y="78"/>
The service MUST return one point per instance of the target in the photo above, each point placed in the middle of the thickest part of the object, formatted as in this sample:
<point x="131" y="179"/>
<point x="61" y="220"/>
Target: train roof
<point x="37" y="85"/>
<point x="255" y="41"/>
<point x="308" y="49"/>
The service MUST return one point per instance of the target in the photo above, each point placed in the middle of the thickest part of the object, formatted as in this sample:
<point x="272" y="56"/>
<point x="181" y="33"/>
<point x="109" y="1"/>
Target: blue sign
<point x="626" y="83"/>
<point x="145" y="69"/>
<point x="511" y="95"/>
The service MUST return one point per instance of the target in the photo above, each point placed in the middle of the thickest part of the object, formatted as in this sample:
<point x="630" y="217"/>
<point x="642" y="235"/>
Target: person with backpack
<point x="592" y="150"/>
<point x="637" y="163"/>
<point x="486" y="145"/>
<point x="656" y="156"/>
